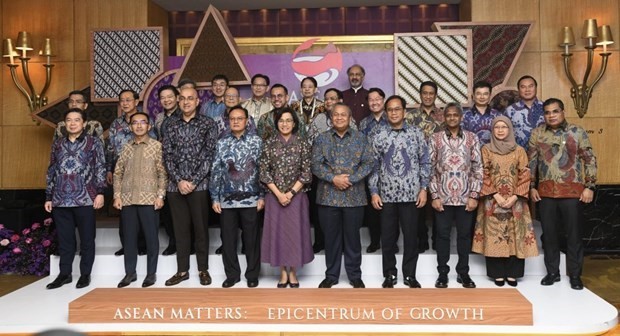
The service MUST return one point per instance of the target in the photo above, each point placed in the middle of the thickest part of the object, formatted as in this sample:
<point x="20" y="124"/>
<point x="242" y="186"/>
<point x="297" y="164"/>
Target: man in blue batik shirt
<point x="238" y="196"/>
<point x="398" y="188"/>
<point x="478" y="119"/>
<point x="216" y="107"/>
<point x="527" y="113"/>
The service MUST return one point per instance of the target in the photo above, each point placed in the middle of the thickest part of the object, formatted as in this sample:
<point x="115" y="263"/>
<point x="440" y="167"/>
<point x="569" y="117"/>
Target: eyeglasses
<point x="140" y="122"/>
<point x="500" y="127"/>
<point x="229" y="96"/>
<point x="237" y="119"/>
<point x="259" y="85"/>
<point x="286" y="121"/>
<point x="394" y="109"/>
<point x="191" y="98"/>
<point x="126" y="100"/>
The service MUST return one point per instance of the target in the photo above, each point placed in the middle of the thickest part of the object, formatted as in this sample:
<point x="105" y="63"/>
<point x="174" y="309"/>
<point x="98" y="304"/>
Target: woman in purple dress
<point x="285" y="170"/>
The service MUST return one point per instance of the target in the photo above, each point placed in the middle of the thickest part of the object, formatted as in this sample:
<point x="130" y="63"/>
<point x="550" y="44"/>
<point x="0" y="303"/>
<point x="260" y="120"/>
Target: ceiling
<point x="202" y="5"/>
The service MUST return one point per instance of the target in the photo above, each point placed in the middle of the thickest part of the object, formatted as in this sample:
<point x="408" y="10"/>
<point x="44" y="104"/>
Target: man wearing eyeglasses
<point x="216" y="106"/>
<point x="77" y="99"/>
<point x="266" y="127"/>
<point x="259" y="104"/>
<point x="188" y="152"/>
<point x="120" y="134"/>
<point x="140" y="182"/>
<point x="231" y="99"/>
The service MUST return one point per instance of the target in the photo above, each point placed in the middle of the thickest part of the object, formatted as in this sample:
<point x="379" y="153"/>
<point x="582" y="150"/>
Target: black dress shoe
<point x="357" y="283"/>
<point x="328" y="283"/>
<point x="218" y="250"/>
<point x="411" y="282"/>
<point x="83" y="281"/>
<point x="205" y="278"/>
<point x="499" y="283"/>
<point x="120" y="252"/>
<point x="317" y="248"/>
<point x="442" y="281"/>
<point x="422" y="246"/>
<point x="169" y="250"/>
<point x="149" y="280"/>
<point x="550" y="279"/>
<point x="294" y="284"/>
<point x="252" y="283"/>
<point x="511" y="283"/>
<point x="177" y="278"/>
<point x="372" y="248"/>
<point x="389" y="281"/>
<point x="576" y="283"/>
<point x="229" y="283"/>
<point x="127" y="280"/>
<point x="61" y="279"/>
<point x="466" y="281"/>
<point x="283" y="285"/>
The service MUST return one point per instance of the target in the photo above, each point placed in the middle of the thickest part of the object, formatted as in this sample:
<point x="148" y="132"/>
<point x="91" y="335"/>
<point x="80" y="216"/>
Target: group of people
<point x="271" y="169"/>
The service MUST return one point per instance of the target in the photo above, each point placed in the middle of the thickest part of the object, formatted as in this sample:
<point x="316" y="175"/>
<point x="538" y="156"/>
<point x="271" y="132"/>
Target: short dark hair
<point x="527" y="77"/>
<point x="554" y="101"/>
<point x="78" y="92"/>
<point x="258" y="75"/>
<point x="280" y="112"/>
<point x="185" y="81"/>
<point x="133" y="93"/>
<point x="377" y="90"/>
<point x="456" y="105"/>
<point x="399" y="98"/>
<point x="483" y="84"/>
<point x="357" y="65"/>
<point x="278" y="85"/>
<point x="167" y="87"/>
<point x="218" y="77"/>
<point x="431" y="84"/>
<point x="76" y="110"/>
<point x="140" y="113"/>
<point x="239" y="107"/>
<point x="338" y="93"/>
<point x="316" y="84"/>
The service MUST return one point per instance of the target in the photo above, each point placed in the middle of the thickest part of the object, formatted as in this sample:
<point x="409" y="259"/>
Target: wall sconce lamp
<point x="35" y="101"/>
<point x="595" y="36"/>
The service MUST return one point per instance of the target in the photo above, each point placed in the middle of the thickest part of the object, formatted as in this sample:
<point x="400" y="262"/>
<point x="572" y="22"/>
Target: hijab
<point x="503" y="147"/>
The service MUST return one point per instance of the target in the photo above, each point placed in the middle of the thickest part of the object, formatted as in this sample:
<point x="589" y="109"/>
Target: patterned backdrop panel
<point x="124" y="59"/>
<point x="442" y="59"/>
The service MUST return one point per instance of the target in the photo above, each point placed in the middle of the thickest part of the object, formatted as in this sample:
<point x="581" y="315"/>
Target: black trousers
<point x="165" y="216"/>
<point x="121" y="233"/>
<point x="66" y="220"/>
<point x="372" y="220"/>
<point x="231" y="220"/>
<point x="341" y="228"/>
<point x="190" y="212"/>
<point x="423" y="214"/>
<point x="555" y="214"/>
<point x="510" y="267"/>
<point x="314" y="213"/>
<point x="443" y="222"/>
<point x="407" y="215"/>
<point x="144" y="217"/>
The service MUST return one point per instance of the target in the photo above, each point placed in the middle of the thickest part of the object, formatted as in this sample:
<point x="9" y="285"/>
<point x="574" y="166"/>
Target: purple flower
<point x="46" y="243"/>
<point x="14" y="238"/>
<point x="28" y="240"/>
<point x="26" y="231"/>
<point x="4" y="242"/>
<point x="47" y="222"/>
<point x="1" y="226"/>
<point x="35" y="226"/>
<point x="17" y="250"/>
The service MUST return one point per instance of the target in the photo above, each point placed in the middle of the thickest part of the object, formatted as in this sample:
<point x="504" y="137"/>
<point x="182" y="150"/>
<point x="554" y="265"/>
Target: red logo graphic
<point x="324" y="65"/>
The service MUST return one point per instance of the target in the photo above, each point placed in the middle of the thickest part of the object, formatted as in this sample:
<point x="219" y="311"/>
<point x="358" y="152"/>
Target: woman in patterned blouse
<point x="285" y="170"/>
<point x="504" y="231"/>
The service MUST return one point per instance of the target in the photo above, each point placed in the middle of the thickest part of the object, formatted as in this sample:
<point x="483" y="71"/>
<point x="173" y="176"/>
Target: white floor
<point x="557" y="309"/>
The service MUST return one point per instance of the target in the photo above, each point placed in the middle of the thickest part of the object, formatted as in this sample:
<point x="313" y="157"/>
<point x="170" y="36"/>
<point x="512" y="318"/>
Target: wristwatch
<point x="293" y="191"/>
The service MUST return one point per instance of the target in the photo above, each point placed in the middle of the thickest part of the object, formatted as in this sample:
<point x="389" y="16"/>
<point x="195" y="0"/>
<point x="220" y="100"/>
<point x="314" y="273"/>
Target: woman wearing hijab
<point x="504" y="231"/>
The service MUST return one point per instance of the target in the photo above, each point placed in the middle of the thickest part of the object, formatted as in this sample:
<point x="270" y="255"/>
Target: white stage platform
<point x="557" y="309"/>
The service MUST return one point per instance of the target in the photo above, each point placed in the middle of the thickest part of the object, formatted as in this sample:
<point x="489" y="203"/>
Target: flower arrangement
<point x="27" y="252"/>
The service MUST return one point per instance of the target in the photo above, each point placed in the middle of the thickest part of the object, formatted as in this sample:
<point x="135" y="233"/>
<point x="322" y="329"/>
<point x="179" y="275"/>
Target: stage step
<point x="107" y="242"/>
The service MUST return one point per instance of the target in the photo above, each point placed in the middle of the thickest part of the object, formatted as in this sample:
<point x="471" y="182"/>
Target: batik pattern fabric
<point x="403" y="164"/>
<point x="308" y="110"/>
<point x="525" y="119"/>
<point x="213" y="109"/>
<point x="92" y="127"/>
<point x="266" y="127"/>
<point x="429" y="123"/>
<point x="257" y="108"/>
<point x="285" y="162"/>
<point x="561" y="161"/>
<point x="501" y="232"/>
<point x="456" y="167"/>
<point x="480" y="124"/>
<point x="370" y="125"/>
<point x="334" y="155"/>
<point x="234" y="172"/>
<point x="188" y="151"/>
<point x="223" y="126"/>
<point x="76" y="173"/>
<point x="119" y="134"/>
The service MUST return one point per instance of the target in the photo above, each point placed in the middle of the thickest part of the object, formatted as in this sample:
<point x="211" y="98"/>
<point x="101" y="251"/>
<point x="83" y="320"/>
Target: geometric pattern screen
<point x="442" y="59"/>
<point x="124" y="59"/>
